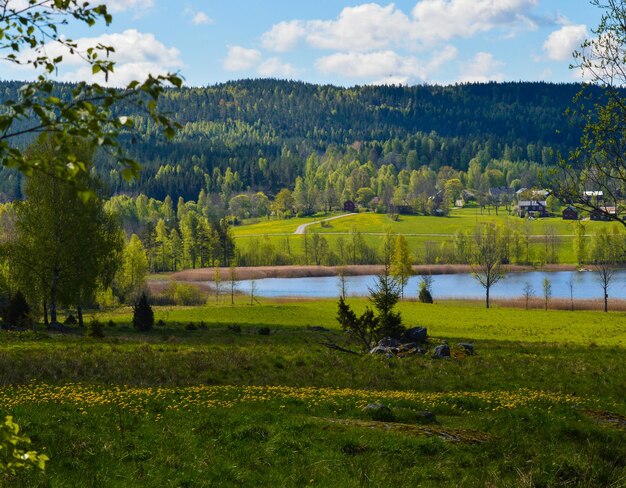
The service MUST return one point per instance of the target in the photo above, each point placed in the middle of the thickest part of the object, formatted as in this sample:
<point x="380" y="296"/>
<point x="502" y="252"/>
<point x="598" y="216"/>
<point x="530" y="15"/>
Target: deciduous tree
<point x="487" y="261"/>
<point x="402" y="263"/>
<point x="30" y="31"/>
<point x="599" y="161"/>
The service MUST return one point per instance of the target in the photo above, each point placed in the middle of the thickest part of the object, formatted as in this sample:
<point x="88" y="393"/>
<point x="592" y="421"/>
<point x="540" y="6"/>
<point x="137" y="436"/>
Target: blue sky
<point x="340" y="42"/>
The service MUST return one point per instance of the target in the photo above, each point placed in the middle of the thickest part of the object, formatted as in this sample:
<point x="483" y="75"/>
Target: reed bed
<point x="260" y="272"/>
<point x="538" y="303"/>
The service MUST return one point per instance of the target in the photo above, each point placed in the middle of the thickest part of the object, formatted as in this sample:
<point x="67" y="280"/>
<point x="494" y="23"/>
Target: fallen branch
<point x="332" y="345"/>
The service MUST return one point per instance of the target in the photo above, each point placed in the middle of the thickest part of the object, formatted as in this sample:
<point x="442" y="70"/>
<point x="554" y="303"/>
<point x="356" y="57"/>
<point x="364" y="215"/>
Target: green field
<point x="204" y="405"/>
<point x="420" y="231"/>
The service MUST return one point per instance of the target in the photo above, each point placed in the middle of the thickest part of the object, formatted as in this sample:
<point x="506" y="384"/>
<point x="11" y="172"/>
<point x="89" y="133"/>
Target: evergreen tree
<point x="384" y="296"/>
<point x="143" y="316"/>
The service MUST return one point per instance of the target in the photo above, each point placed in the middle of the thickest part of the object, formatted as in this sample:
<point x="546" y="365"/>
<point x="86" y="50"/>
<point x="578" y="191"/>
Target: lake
<point x="586" y="285"/>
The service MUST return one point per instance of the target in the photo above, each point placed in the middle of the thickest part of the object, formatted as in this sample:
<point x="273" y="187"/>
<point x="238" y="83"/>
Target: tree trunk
<point x="606" y="301"/>
<point x="53" y="297"/>
<point x="45" y="313"/>
<point x="487" y="296"/>
<point x="79" y="311"/>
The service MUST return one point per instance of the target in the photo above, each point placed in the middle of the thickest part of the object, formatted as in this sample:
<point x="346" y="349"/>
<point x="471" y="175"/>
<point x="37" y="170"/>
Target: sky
<point x="336" y="42"/>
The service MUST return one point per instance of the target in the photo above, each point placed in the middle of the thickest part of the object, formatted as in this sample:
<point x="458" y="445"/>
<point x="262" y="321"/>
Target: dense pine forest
<point x="257" y="135"/>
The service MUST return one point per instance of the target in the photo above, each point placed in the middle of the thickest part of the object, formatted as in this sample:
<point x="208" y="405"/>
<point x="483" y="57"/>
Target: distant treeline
<point x="259" y="134"/>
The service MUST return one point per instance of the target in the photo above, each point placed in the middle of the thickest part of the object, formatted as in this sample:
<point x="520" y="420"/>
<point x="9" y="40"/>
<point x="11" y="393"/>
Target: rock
<point x="389" y="342"/>
<point x="416" y="334"/>
<point x="426" y="417"/>
<point x="469" y="348"/>
<point x="387" y="351"/>
<point x="318" y="328"/>
<point x="442" y="351"/>
<point x="380" y="412"/>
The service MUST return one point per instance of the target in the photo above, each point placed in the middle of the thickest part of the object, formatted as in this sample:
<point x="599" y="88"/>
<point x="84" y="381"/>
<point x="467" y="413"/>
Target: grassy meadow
<point x="420" y="231"/>
<point x="205" y="399"/>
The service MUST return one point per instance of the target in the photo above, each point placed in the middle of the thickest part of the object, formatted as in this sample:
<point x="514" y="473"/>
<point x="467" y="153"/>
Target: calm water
<point x="586" y="285"/>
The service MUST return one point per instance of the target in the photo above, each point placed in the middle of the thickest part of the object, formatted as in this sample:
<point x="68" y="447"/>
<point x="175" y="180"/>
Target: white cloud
<point x="200" y="18"/>
<point x="136" y="55"/>
<point x="274" y="67"/>
<point x="562" y="43"/>
<point x="364" y="27"/>
<point x="241" y="59"/>
<point x="371" y="26"/>
<point x="114" y="6"/>
<point x="385" y="66"/>
<point x="367" y="65"/>
<point x="446" y="19"/>
<point x="283" y="36"/>
<point x="481" y="69"/>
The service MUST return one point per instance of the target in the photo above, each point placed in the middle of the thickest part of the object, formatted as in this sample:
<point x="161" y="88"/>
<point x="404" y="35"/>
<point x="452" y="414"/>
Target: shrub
<point x="143" y="316"/>
<point x="425" y="296"/>
<point x="191" y="326"/>
<point x="425" y="287"/>
<point x="160" y="323"/>
<point x="18" y="311"/>
<point x="365" y="329"/>
<point x="111" y="323"/>
<point x="184" y="294"/>
<point x="264" y="331"/>
<point x="95" y="329"/>
<point x="70" y="320"/>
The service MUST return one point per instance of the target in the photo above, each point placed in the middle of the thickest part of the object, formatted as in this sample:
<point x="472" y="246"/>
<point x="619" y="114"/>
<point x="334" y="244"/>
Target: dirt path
<point x="302" y="228"/>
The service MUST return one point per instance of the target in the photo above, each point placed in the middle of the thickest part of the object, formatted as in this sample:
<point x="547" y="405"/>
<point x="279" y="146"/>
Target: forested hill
<point x="264" y="131"/>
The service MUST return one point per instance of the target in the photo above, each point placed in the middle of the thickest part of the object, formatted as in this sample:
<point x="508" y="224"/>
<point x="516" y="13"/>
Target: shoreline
<point x="261" y="272"/>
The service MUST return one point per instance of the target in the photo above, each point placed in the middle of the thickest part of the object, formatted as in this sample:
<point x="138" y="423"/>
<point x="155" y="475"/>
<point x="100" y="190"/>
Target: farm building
<point x="349" y="206"/>
<point x="603" y="214"/>
<point x="535" y="208"/>
<point x="570" y="213"/>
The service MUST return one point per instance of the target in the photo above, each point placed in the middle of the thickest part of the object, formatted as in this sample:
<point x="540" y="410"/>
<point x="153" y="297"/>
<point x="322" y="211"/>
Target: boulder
<point x="469" y="348"/>
<point x="387" y="351"/>
<point x="426" y="417"/>
<point x="379" y="412"/>
<point x="416" y="334"/>
<point x="442" y="351"/>
<point x="389" y="342"/>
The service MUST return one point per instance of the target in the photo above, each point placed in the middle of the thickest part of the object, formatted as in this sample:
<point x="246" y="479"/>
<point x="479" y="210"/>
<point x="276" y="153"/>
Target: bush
<point x="160" y="323"/>
<point x="264" y="331"/>
<point x="95" y="329"/>
<point x="18" y="311"/>
<point x="70" y="320"/>
<point x="425" y="296"/>
<point x="111" y="323"/>
<point x="183" y="294"/>
<point x="106" y="299"/>
<point x="143" y="316"/>
<point x="365" y="329"/>
<point x="191" y="326"/>
<point x="425" y="286"/>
